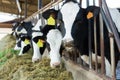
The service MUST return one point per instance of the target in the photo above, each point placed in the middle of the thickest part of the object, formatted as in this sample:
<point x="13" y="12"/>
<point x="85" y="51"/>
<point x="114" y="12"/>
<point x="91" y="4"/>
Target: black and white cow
<point x="75" y="22"/>
<point x="37" y="35"/>
<point x="23" y="32"/>
<point x="14" y="33"/>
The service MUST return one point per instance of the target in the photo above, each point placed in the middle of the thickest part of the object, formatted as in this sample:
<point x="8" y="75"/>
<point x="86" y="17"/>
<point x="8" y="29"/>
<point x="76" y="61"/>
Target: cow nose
<point x="68" y="43"/>
<point x="55" y="64"/>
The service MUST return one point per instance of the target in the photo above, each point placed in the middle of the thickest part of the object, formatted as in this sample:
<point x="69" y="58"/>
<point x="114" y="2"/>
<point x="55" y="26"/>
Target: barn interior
<point x="28" y="9"/>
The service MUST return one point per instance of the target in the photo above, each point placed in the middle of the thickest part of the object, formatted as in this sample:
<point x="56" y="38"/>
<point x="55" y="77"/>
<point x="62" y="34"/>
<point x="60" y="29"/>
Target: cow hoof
<point x="54" y="65"/>
<point x="36" y="60"/>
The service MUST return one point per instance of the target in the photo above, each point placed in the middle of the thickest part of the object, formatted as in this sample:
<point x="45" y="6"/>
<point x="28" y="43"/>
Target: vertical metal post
<point x="80" y="3"/>
<point x="89" y="40"/>
<point x="95" y="43"/>
<point x="112" y="55"/>
<point x="112" y="25"/>
<point x="93" y="2"/>
<point x="39" y="7"/>
<point x="102" y="45"/>
<point x="25" y="14"/>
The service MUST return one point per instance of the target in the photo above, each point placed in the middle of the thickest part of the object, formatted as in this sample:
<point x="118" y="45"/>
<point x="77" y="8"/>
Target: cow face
<point x="68" y="17"/>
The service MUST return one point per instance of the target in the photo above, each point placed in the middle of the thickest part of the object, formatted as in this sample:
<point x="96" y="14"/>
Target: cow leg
<point x="54" y="38"/>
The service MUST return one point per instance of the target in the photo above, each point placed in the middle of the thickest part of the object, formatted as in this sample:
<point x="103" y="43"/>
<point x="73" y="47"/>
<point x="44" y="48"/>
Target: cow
<point x="23" y="33"/>
<point x="14" y="33"/>
<point x="74" y="24"/>
<point x="35" y="36"/>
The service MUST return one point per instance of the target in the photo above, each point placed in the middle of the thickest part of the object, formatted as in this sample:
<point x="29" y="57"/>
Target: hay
<point x="21" y="68"/>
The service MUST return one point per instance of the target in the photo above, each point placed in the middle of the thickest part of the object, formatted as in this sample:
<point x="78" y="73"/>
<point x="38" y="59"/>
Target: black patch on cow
<point x="80" y="31"/>
<point x="118" y="9"/>
<point x="26" y="48"/>
<point x="61" y="24"/>
<point x="95" y="10"/>
<point x="15" y="25"/>
<point x="66" y="1"/>
<point x="25" y="37"/>
<point x="35" y="39"/>
<point x="27" y="26"/>
<point x="47" y="28"/>
<point x="42" y="49"/>
<point x="19" y="43"/>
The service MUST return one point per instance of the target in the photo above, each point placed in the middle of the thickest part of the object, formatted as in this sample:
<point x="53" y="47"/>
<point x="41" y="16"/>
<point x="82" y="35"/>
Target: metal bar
<point x="43" y="9"/>
<point x="39" y="7"/>
<point x="89" y="44"/>
<point x="80" y="3"/>
<point x="89" y="40"/>
<point x="112" y="25"/>
<point x="88" y="3"/>
<point x="102" y="45"/>
<point x="94" y="2"/>
<point x="112" y="56"/>
<point x="25" y="14"/>
<point x="95" y="44"/>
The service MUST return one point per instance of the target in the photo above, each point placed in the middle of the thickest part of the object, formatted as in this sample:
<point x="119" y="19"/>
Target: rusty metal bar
<point x="102" y="45"/>
<point x="112" y="56"/>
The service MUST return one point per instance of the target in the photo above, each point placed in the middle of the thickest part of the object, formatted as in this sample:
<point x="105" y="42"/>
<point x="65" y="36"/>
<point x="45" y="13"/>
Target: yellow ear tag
<point x="40" y="43"/>
<point x="51" y="21"/>
<point x="27" y="41"/>
<point x="89" y="15"/>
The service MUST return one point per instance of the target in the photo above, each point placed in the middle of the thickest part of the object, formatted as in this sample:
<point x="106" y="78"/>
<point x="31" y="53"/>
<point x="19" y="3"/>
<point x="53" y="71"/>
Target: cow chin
<point x="70" y="52"/>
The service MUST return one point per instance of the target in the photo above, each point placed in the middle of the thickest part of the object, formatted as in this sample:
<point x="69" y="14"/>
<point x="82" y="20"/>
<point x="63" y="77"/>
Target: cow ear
<point x="92" y="11"/>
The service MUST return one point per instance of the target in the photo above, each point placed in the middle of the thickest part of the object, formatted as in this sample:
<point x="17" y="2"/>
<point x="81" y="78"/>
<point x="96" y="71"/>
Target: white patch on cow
<point x="54" y="38"/>
<point x="35" y="34"/>
<point x="16" y="46"/>
<point x="22" y="47"/>
<point x="115" y="14"/>
<point x="23" y="31"/>
<point x="108" y="68"/>
<point x="37" y="26"/>
<point x="36" y="52"/>
<point x="86" y="58"/>
<point x="107" y="64"/>
<point x="69" y="17"/>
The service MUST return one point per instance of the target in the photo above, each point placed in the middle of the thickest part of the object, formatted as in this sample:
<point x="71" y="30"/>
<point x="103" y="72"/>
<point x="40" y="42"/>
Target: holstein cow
<point x="23" y="33"/>
<point x="75" y="22"/>
<point x="14" y="33"/>
<point x="38" y="37"/>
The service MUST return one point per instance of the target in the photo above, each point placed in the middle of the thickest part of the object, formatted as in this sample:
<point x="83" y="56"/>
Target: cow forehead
<point x="69" y="10"/>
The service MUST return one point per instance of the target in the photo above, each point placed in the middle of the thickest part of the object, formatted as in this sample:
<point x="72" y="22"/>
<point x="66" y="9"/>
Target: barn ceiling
<point x="10" y="6"/>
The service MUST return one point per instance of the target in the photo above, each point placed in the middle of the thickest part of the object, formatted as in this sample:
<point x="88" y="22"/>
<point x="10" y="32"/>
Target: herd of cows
<point x="66" y="27"/>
